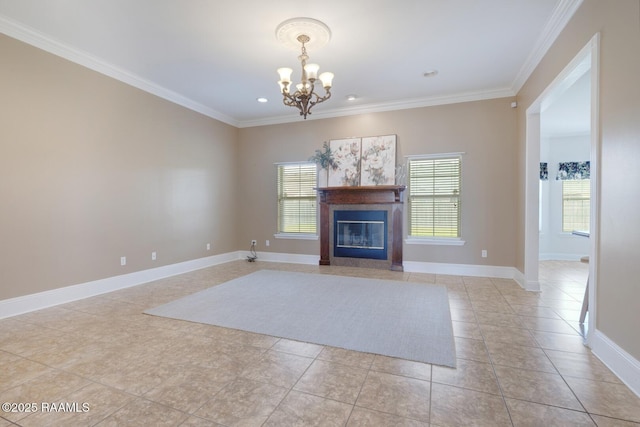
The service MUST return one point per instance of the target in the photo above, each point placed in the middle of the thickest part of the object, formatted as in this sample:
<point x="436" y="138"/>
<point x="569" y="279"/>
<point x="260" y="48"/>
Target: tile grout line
<point x="493" y="368"/>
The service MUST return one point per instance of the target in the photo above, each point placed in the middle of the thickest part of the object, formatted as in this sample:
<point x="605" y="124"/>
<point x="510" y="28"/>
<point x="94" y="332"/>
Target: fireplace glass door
<point x="360" y="234"/>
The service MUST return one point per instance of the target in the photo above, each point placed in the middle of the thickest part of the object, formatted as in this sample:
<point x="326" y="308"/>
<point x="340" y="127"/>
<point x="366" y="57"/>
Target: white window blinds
<point x="297" y="198"/>
<point x="576" y="204"/>
<point x="434" y="197"/>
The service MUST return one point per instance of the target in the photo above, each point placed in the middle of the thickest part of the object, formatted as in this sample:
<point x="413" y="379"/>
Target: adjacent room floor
<point x="521" y="362"/>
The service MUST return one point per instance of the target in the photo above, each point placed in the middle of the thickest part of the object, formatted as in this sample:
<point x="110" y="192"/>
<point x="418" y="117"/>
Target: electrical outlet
<point x="123" y="260"/>
<point x="208" y="246"/>
<point x="254" y="242"/>
<point x="267" y="243"/>
<point x="484" y="253"/>
<point x="153" y="256"/>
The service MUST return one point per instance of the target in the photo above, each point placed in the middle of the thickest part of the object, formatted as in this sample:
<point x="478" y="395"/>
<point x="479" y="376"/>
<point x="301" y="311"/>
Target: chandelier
<point x="305" y="31"/>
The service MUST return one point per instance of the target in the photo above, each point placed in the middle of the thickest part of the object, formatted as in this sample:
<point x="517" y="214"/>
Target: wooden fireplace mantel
<point x="361" y="195"/>
<point x="365" y="195"/>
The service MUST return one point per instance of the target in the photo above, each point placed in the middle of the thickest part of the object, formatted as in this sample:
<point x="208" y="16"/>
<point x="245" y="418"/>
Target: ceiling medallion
<point x="302" y="33"/>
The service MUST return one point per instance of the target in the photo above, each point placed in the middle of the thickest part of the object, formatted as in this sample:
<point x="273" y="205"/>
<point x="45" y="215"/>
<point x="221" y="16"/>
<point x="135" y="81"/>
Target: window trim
<point x="443" y="241"/>
<point x="294" y="235"/>
<point x="434" y="240"/>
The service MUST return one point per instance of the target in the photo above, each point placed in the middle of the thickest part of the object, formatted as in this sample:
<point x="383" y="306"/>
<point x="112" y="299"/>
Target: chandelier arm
<point x="289" y="100"/>
<point x="298" y="100"/>
<point x="319" y="99"/>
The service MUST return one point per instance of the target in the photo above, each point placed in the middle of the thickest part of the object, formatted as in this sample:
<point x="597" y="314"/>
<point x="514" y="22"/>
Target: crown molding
<point x="33" y="37"/>
<point x="561" y="15"/>
<point x="559" y="19"/>
<point x="385" y="106"/>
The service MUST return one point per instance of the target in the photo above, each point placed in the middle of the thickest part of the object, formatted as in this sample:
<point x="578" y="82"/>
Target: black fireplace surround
<point x="360" y="234"/>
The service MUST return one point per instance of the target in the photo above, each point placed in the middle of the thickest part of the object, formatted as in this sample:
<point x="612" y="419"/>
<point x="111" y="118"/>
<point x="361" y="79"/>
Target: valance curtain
<point x="573" y="170"/>
<point x="544" y="171"/>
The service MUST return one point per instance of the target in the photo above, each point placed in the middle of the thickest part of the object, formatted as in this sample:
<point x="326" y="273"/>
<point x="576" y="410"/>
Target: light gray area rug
<point x="392" y="318"/>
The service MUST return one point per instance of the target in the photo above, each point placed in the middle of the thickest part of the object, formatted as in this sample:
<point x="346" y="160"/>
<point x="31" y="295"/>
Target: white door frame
<point x="586" y="59"/>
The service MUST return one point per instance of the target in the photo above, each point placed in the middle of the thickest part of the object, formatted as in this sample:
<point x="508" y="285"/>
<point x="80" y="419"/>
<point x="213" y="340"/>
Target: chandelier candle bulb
<point x="285" y="74"/>
<point x="326" y="78"/>
<point x="312" y="71"/>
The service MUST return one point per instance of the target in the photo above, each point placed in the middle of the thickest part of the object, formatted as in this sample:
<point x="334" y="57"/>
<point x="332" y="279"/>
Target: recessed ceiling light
<point x="351" y="97"/>
<point x="262" y="99"/>
<point x="430" y="73"/>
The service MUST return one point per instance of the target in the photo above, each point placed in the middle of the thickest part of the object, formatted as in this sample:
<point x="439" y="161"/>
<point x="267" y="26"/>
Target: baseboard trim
<point x="549" y="256"/>
<point x="27" y="303"/>
<point x="286" y="258"/>
<point x="460" y="269"/>
<point x="409" y="266"/>
<point x="625" y="366"/>
<point x="412" y="266"/>
<point x="520" y="279"/>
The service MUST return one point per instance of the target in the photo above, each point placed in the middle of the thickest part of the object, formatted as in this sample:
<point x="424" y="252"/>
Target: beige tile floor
<point x="521" y="362"/>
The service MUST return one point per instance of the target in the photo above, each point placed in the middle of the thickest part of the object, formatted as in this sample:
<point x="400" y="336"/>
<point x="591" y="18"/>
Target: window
<point x="297" y="198"/>
<point x="434" y="196"/>
<point x="576" y="195"/>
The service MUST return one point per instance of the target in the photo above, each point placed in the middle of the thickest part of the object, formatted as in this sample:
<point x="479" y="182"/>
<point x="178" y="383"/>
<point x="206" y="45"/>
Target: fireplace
<point x="360" y="234"/>
<point x="361" y="226"/>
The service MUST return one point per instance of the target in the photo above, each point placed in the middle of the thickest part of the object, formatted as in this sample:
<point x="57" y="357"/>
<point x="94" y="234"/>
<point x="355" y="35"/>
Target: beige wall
<point x="485" y="131"/>
<point x="93" y="169"/>
<point x="618" y="22"/>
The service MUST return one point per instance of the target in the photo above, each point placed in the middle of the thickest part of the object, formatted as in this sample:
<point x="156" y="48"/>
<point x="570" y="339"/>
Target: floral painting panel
<point x="378" y="163"/>
<point x="346" y="154"/>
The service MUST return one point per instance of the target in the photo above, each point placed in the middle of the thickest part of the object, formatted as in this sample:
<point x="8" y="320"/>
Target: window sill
<point x="444" y="241"/>
<point x="296" y="236"/>
<point x="571" y="235"/>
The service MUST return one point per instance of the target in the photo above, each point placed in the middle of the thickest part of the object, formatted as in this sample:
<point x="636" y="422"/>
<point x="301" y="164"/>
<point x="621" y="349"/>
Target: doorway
<point x="585" y="63"/>
<point x="564" y="206"/>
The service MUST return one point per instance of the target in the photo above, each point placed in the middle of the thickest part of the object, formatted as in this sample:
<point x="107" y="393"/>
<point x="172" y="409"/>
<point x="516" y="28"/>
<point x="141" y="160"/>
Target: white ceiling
<point x="217" y="56"/>
<point x="569" y="114"/>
